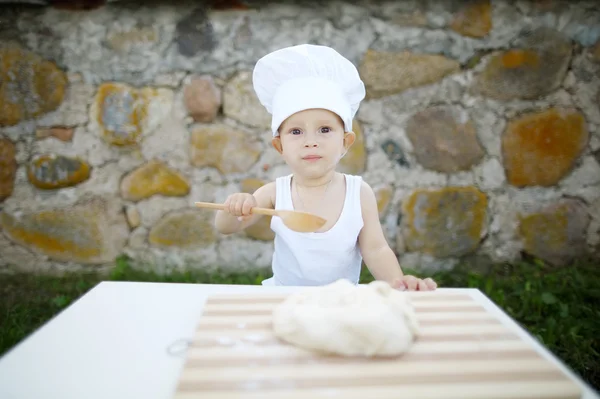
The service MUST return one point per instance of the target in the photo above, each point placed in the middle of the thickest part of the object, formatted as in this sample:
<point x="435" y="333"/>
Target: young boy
<point x="313" y="93"/>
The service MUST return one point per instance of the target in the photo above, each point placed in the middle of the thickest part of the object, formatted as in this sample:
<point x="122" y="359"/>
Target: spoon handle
<point x="260" y="211"/>
<point x="210" y="205"/>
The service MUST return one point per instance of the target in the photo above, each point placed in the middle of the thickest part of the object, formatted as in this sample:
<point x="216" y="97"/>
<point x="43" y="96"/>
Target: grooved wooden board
<point x="463" y="352"/>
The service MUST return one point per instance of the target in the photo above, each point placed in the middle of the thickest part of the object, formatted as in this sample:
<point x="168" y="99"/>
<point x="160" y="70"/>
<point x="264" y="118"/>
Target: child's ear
<point x="349" y="138"/>
<point x="277" y="144"/>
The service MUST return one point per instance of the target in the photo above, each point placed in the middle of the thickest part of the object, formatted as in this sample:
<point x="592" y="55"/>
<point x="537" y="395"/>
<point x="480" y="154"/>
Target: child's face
<point x="313" y="141"/>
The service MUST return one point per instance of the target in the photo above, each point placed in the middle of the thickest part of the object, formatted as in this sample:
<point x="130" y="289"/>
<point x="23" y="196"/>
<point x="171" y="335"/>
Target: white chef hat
<point x="307" y="76"/>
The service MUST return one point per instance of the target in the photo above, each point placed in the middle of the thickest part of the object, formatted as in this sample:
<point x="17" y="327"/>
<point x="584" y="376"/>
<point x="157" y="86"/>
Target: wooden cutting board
<point x="463" y="352"/>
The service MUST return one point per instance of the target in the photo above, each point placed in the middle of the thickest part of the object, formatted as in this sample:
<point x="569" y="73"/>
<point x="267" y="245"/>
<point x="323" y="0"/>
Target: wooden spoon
<point x="301" y="222"/>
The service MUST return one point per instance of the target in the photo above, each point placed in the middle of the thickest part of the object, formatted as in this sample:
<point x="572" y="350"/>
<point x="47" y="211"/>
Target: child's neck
<point x="314" y="182"/>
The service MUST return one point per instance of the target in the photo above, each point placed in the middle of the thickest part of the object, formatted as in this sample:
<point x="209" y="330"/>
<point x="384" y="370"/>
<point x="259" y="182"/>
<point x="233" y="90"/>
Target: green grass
<point x="556" y="305"/>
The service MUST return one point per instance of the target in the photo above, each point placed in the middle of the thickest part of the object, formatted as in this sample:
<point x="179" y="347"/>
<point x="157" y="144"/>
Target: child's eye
<point x="325" y="129"/>
<point x="295" y="131"/>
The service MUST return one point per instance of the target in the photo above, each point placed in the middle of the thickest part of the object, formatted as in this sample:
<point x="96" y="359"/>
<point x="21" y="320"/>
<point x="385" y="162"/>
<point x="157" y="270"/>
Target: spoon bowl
<point x="301" y="222"/>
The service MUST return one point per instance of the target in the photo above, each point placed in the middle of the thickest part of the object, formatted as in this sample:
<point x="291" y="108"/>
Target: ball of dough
<point x="347" y="319"/>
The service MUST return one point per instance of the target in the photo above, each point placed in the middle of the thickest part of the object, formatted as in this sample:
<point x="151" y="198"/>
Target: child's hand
<point x="412" y="283"/>
<point x="240" y="205"/>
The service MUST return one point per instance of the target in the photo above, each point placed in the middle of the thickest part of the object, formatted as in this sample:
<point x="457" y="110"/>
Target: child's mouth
<point x="311" y="158"/>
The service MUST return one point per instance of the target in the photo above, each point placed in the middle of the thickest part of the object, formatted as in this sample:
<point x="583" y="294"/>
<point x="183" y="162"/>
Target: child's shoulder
<point x="268" y="186"/>
<point x="265" y="194"/>
<point x="365" y="188"/>
<point x="368" y="198"/>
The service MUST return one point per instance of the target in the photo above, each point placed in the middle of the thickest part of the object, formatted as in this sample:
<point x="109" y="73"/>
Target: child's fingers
<point x="411" y="283"/>
<point x="432" y="285"/>
<point x="422" y="286"/>
<point x="230" y="205"/>
<point x="246" y="208"/>
<point x="238" y="207"/>
<point x="399" y="284"/>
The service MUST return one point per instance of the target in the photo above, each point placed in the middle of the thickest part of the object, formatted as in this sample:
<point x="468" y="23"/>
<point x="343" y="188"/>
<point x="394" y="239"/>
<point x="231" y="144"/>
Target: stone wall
<point x="480" y="131"/>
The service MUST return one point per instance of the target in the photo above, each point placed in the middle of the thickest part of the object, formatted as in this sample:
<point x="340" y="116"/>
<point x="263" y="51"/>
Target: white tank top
<point x="303" y="259"/>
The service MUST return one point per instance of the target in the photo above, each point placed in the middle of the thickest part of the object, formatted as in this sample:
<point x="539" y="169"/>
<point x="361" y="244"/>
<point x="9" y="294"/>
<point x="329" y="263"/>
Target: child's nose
<point x="310" y="140"/>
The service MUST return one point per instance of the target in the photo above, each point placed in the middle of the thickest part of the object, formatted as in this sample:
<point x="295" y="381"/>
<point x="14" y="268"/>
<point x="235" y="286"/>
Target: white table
<point x="113" y="343"/>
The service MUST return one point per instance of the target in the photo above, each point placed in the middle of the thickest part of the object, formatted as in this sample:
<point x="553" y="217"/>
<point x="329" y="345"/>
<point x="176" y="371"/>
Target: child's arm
<point x="227" y="222"/>
<point x="377" y="254"/>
